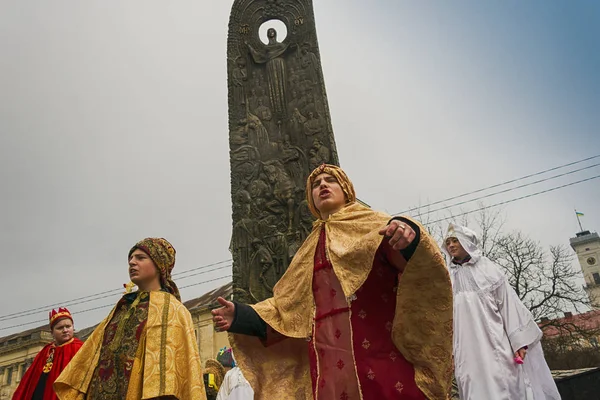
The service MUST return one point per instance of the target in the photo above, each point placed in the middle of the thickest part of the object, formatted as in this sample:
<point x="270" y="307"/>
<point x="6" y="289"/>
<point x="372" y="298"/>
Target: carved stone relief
<point x="279" y="130"/>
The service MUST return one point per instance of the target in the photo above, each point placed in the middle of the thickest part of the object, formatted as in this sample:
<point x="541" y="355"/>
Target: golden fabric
<point x="167" y="362"/>
<point x="422" y="326"/>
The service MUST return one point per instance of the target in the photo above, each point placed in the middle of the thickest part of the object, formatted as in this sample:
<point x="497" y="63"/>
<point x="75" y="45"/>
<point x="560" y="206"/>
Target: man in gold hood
<point x="146" y="347"/>
<point x="364" y="311"/>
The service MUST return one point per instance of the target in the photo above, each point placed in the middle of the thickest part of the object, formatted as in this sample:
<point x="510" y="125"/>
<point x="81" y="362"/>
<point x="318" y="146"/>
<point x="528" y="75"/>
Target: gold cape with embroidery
<point x="422" y="326"/>
<point x="167" y="362"/>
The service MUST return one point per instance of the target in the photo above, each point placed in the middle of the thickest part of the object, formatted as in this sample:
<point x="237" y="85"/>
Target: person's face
<point x="63" y="331"/>
<point x="271" y="33"/>
<point x="455" y="249"/>
<point x="327" y="194"/>
<point x="141" y="268"/>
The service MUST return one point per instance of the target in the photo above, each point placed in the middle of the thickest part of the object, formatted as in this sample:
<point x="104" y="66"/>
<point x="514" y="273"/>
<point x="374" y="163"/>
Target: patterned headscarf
<point x="342" y="179"/>
<point x="163" y="255"/>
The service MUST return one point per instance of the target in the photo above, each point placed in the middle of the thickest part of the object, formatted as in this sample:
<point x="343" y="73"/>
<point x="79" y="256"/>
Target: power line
<point x="64" y="303"/>
<point x="499" y="184"/>
<point x="85" y="298"/>
<point x="518" y="198"/>
<point x="105" y="296"/>
<point x="510" y="189"/>
<point x="105" y="306"/>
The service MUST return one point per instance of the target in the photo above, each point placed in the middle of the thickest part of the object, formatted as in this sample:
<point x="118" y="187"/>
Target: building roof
<point x="208" y="300"/>
<point x="588" y="321"/>
<point x="27" y="333"/>
<point x="584" y="237"/>
<point x="559" y="375"/>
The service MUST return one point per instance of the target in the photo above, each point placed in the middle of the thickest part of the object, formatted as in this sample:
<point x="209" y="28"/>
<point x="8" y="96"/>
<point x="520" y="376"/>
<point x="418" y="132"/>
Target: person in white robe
<point x="234" y="386"/>
<point x="493" y="330"/>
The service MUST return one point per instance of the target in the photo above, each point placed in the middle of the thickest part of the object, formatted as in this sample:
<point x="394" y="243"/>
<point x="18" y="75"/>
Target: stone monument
<point x="279" y="130"/>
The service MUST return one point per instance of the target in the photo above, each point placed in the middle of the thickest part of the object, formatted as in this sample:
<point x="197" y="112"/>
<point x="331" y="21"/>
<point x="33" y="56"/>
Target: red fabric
<point x="62" y="355"/>
<point x="382" y="370"/>
<point x="362" y="336"/>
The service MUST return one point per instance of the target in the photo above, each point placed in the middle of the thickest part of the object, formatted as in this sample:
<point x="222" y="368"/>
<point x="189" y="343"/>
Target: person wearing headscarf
<point x="364" y="310"/>
<point x="146" y="347"/>
<point x="497" y="350"/>
<point x="214" y="373"/>
<point x="37" y="382"/>
<point x="235" y="386"/>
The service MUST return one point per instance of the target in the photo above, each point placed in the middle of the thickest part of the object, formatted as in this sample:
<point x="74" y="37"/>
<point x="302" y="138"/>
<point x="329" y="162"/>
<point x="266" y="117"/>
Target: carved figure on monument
<point x="263" y="112"/>
<point x="319" y="154"/>
<point x="258" y="135"/>
<point x="239" y="135"/>
<point x="313" y="105"/>
<point x="304" y="218"/>
<point x="258" y="77"/>
<point x="283" y="189"/>
<point x="246" y="167"/>
<point x="312" y="126"/>
<point x="276" y="74"/>
<point x="239" y="78"/>
<point x="262" y="271"/>
<point x="295" y="102"/>
<point x="309" y="63"/>
<point x="244" y="231"/>
<point x="292" y="158"/>
<point x="297" y="122"/>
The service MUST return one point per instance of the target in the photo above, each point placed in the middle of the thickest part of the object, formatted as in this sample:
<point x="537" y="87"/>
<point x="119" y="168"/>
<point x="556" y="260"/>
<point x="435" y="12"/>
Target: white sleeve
<point x="521" y="328"/>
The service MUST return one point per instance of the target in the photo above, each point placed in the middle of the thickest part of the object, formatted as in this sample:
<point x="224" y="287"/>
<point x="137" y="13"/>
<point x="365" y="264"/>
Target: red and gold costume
<point x="146" y="348"/>
<point x="47" y="365"/>
<point x="355" y="327"/>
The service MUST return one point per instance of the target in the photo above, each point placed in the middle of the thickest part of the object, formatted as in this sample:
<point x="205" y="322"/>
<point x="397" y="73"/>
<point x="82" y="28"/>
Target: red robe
<point x="62" y="355"/>
<point x="352" y="355"/>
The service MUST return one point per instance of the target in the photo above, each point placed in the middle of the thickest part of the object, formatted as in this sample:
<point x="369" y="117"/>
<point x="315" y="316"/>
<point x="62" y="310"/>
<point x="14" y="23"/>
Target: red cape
<point x="62" y="355"/>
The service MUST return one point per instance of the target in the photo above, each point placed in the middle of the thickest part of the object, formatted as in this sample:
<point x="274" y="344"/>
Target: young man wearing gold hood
<point x="364" y="311"/>
<point x="145" y="348"/>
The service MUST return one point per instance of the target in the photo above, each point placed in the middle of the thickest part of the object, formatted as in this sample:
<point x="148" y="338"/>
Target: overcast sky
<point x="113" y="122"/>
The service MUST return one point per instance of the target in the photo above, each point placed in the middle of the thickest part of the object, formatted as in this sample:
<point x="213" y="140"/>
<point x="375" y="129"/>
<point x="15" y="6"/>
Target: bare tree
<point x="545" y="281"/>
<point x="491" y="223"/>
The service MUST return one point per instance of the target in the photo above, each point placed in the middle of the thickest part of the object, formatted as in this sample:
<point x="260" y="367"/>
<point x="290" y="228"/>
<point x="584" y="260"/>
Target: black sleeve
<point x="247" y="322"/>
<point x="408" y="252"/>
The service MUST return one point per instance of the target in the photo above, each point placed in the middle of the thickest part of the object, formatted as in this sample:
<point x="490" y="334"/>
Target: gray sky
<point x="113" y="121"/>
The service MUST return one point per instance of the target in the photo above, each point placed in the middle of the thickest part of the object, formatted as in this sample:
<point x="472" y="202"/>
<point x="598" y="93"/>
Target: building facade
<point x="17" y="352"/>
<point x="587" y="247"/>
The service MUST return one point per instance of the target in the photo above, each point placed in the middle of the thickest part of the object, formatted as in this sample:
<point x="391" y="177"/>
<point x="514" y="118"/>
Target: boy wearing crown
<point x="146" y="347"/>
<point x="51" y="360"/>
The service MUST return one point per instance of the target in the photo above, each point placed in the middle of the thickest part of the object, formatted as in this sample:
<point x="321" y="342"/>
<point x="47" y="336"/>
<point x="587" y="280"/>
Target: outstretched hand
<point x="223" y="317"/>
<point x="399" y="233"/>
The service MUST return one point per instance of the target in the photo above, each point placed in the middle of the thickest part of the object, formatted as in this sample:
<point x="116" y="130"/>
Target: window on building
<point x="9" y="372"/>
<point x="596" y="278"/>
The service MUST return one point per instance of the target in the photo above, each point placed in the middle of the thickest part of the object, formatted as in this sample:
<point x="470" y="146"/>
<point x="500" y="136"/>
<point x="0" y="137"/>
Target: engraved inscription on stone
<point x="279" y="130"/>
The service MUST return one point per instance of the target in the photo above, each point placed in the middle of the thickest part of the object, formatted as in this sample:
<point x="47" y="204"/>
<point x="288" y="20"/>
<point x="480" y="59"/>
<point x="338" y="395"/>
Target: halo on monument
<point x="277" y="24"/>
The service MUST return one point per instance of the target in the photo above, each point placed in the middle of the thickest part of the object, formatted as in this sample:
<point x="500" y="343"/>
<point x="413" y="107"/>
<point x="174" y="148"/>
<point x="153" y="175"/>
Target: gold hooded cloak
<point x="422" y="325"/>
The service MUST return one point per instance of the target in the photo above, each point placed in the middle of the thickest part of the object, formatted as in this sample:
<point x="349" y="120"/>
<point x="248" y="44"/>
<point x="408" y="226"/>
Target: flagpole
<point x="579" y="221"/>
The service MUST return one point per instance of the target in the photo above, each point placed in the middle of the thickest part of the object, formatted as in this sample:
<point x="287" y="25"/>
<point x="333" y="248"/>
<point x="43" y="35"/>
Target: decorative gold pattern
<point x="420" y="326"/>
<point x="182" y="376"/>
